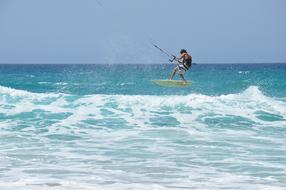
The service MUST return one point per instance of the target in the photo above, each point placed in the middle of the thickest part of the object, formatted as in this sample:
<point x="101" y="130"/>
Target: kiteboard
<point x="171" y="83"/>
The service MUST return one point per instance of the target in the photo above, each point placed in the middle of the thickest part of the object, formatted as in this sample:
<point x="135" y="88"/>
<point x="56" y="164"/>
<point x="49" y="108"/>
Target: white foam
<point x="24" y="94"/>
<point x="137" y="109"/>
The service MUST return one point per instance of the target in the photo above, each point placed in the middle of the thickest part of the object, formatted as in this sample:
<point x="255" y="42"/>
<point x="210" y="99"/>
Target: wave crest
<point x="140" y="110"/>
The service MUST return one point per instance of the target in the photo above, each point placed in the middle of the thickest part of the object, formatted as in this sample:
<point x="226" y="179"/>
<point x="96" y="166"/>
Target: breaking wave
<point x="196" y="141"/>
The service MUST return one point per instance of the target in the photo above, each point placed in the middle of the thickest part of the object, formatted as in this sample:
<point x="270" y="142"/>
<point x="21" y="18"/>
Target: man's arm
<point x="179" y="59"/>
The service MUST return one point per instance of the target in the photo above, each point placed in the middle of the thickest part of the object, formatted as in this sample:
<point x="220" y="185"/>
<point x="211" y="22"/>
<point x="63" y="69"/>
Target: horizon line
<point x="159" y="63"/>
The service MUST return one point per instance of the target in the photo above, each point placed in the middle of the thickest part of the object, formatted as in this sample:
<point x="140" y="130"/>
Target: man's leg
<point x="183" y="78"/>
<point x="173" y="73"/>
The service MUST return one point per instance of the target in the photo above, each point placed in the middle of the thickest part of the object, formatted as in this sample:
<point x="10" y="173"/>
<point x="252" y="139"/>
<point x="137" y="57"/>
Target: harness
<point x="187" y="63"/>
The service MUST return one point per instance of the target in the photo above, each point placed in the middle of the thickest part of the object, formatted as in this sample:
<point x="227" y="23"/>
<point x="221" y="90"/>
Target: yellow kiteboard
<point x="172" y="83"/>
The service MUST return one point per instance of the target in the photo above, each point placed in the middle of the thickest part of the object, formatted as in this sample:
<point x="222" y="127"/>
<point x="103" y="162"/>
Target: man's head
<point x="183" y="51"/>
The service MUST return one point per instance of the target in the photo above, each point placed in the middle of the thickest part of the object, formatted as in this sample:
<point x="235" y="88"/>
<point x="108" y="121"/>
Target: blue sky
<point x="121" y="31"/>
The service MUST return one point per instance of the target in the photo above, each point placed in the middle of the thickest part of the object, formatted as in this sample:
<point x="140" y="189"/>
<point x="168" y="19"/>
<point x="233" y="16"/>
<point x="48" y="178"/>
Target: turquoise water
<point x="108" y="127"/>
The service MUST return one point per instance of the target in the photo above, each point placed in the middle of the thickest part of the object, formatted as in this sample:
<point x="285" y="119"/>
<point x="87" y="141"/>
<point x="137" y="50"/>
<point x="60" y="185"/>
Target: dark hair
<point x="183" y="51"/>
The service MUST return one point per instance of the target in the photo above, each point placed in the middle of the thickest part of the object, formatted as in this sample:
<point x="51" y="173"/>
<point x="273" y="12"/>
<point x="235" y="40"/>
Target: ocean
<point x="108" y="127"/>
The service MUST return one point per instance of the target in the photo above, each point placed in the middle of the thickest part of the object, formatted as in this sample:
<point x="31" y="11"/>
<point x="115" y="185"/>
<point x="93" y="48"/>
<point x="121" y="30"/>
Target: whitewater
<point x="73" y="128"/>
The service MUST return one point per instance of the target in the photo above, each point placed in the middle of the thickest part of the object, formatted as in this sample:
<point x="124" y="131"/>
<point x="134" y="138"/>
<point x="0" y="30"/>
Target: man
<point x="185" y="63"/>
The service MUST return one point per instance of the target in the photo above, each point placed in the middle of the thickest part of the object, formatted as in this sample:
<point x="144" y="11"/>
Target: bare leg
<point x="183" y="78"/>
<point x="173" y="74"/>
